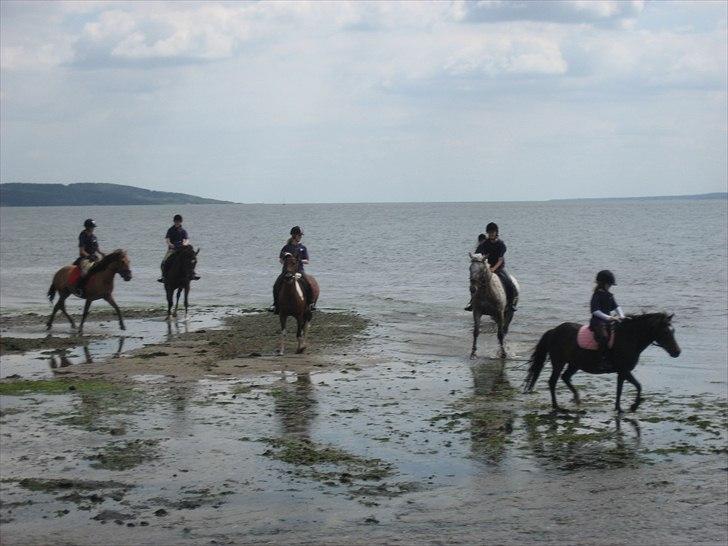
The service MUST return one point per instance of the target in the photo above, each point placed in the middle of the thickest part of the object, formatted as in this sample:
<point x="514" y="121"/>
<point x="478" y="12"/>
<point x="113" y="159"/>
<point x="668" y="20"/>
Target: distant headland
<point x="48" y="195"/>
<point x="698" y="196"/>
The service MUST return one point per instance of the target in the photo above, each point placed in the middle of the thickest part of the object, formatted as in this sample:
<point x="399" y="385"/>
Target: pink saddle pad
<point x="585" y="339"/>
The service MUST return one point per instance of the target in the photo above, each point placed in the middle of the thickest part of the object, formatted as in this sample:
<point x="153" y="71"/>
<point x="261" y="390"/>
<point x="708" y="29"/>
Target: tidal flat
<point x="205" y="437"/>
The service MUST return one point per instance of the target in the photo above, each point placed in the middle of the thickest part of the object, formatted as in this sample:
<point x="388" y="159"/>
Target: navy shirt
<point x="88" y="242"/>
<point x="601" y="301"/>
<point x="298" y="250"/>
<point x="176" y="236"/>
<point x="494" y="250"/>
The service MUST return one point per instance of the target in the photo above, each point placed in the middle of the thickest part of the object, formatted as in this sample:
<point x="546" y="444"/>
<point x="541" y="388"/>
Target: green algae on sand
<point x="55" y="386"/>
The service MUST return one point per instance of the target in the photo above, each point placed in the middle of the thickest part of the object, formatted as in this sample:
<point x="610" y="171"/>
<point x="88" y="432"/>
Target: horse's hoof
<point x="299" y="351"/>
<point x="634" y="407"/>
<point x="122" y="327"/>
<point x="48" y="327"/>
<point x="619" y="410"/>
<point x="472" y="356"/>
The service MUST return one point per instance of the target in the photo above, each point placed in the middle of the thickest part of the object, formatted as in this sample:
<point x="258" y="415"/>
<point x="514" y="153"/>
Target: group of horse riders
<point x="604" y="309"/>
<point x="177" y="238"/>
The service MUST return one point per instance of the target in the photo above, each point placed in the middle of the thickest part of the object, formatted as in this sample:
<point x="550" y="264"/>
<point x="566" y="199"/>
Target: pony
<point x="489" y="298"/>
<point x="99" y="285"/>
<point x="292" y="302"/>
<point x="179" y="269"/>
<point x="631" y="337"/>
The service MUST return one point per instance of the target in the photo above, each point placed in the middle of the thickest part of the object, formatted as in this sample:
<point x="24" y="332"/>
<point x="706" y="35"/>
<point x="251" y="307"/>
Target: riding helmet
<point x="296" y="230"/>
<point x="88" y="224"/>
<point x="491" y="227"/>
<point x="606" y="277"/>
<point x="177" y="218"/>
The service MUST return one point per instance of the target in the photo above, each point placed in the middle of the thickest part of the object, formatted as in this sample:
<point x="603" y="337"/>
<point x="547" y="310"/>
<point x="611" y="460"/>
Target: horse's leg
<point x="566" y="377"/>
<point x="176" y="305"/>
<point x="282" y="340"/>
<point x="300" y="324"/>
<point x="56" y="307"/>
<point x="85" y="314"/>
<point x="501" y="335"/>
<point x="556" y="366"/>
<point x="63" y="310"/>
<point x="476" y="329"/>
<point x="170" y="292"/>
<point x="111" y="301"/>
<point x="187" y="296"/>
<point x="620" y="383"/>
<point x="638" y="399"/>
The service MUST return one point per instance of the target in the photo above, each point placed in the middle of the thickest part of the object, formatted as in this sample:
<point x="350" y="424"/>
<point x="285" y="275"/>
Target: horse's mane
<point x="109" y="259"/>
<point x="646" y="318"/>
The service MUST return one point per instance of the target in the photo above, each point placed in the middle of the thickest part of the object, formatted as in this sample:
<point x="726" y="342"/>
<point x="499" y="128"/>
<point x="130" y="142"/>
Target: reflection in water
<point x="295" y="404"/>
<point x="172" y="332"/>
<point x="491" y="420"/>
<point x="63" y="357"/>
<point x="577" y="442"/>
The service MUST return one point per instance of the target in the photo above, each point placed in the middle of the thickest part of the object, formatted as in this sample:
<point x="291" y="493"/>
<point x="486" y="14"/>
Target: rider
<point x="88" y="251"/>
<point x="494" y="249"/>
<point x="176" y="238"/>
<point x="602" y="305"/>
<point x="299" y="251"/>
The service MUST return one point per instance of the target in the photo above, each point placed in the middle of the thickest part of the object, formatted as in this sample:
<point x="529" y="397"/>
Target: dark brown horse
<point x="99" y="285"/>
<point x="292" y="302"/>
<point x="632" y="337"/>
<point x="180" y="268"/>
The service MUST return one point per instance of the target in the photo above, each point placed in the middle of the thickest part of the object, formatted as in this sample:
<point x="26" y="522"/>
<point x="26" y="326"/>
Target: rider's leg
<point x="507" y="286"/>
<point x="276" y="287"/>
<point x="601" y="335"/>
<point x="308" y="292"/>
<point x="163" y="265"/>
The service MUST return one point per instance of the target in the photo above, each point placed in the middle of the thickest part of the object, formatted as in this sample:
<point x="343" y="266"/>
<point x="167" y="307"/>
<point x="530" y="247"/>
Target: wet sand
<point x="364" y="439"/>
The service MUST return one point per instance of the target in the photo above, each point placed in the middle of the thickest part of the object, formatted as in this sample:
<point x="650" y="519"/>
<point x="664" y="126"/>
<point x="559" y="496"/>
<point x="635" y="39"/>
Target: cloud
<point x="599" y="12"/>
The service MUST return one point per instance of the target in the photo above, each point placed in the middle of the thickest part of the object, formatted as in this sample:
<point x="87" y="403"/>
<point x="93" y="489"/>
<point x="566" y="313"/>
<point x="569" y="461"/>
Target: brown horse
<point x="292" y="301"/>
<point x="99" y="285"/>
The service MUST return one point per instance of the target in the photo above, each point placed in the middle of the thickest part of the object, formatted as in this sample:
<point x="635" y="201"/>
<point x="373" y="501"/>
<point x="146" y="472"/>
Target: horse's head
<point x="188" y="259"/>
<point x="664" y="334"/>
<point x="479" y="270"/>
<point x="119" y="260"/>
<point x="290" y="266"/>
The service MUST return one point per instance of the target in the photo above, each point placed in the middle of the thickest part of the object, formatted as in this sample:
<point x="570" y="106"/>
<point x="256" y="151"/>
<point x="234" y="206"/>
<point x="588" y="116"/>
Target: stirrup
<point x="468" y="307"/>
<point x="160" y="279"/>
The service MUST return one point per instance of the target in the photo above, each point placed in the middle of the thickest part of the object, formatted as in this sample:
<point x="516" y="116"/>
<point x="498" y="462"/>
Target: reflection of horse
<point x="292" y="301"/>
<point x="295" y="405"/>
<point x="99" y="285"/>
<point x="491" y="418"/>
<point x="632" y="337"/>
<point x="179" y="269"/>
<point x="489" y="298"/>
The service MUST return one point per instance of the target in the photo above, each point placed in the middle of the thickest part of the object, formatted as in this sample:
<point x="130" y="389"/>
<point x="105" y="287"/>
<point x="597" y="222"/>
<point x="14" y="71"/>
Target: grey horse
<point x="489" y="298"/>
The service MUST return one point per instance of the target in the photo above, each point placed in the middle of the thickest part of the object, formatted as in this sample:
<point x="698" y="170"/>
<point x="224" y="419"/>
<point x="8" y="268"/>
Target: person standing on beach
<point x="176" y="238"/>
<point x="294" y="247"/>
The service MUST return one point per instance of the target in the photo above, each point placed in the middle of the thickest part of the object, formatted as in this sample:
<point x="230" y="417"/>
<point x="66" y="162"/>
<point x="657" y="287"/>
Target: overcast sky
<point x="353" y="101"/>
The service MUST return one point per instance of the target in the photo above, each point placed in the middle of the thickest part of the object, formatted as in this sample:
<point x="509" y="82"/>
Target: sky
<point x="368" y="101"/>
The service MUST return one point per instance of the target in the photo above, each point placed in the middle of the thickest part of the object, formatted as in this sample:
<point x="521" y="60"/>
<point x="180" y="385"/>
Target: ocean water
<point x="405" y="266"/>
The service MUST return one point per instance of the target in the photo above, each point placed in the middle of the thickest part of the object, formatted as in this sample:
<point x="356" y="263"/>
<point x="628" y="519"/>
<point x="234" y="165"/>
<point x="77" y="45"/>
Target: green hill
<point x="46" y="195"/>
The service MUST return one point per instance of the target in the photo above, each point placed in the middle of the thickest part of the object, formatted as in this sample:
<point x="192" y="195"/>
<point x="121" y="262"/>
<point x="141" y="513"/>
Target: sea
<point x="405" y="265"/>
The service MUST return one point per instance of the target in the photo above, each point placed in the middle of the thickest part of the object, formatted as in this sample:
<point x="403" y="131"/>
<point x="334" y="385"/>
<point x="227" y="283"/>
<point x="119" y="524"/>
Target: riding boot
<point x="161" y="278"/>
<point x="469" y="306"/>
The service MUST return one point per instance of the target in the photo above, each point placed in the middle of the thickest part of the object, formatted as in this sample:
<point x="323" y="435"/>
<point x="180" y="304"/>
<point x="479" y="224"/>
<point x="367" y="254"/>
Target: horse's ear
<point x="669" y="317"/>
<point x="197" y="252"/>
<point x="470" y="254"/>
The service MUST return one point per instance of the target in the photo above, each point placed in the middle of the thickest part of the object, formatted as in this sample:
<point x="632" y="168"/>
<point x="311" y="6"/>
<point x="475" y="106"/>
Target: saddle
<point x="585" y="339"/>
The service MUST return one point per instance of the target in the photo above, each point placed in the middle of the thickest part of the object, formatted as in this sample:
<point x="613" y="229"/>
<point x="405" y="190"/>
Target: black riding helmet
<point x="606" y="277"/>
<point x="89" y="223"/>
<point x="296" y="230"/>
<point x="177" y="218"/>
<point x="491" y="227"/>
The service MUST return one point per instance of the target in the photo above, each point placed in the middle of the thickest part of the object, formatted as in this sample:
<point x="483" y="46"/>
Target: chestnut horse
<point x="292" y="301"/>
<point x="99" y="285"/>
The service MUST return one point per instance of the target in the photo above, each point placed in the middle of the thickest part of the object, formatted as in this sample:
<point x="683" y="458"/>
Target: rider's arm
<point x="304" y="255"/>
<point x="185" y="242"/>
<point x="602" y="315"/>
<point x="497" y="265"/>
<point x="619" y="312"/>
<point x="82" y="251"/>
<point x="169" y="243"/>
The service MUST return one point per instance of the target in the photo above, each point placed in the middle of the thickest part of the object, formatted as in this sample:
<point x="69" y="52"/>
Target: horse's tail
<point x="538" y="359"/>
<point x="52" y="291"/>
